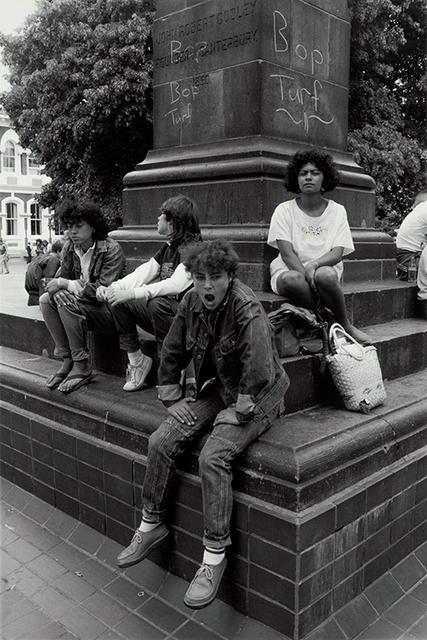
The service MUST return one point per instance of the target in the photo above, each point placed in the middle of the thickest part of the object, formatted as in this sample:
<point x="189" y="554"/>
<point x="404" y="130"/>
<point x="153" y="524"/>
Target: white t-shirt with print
<point x="310" y="236"/>
<point x="413" y="229"/>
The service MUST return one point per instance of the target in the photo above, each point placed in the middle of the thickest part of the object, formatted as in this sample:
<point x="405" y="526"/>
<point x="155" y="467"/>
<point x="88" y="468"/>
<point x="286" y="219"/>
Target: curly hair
<point x="183" y="213"/>
<point x="322" y="160"/>
<point x="69" y="212"/>
<point x="211" y="256"/>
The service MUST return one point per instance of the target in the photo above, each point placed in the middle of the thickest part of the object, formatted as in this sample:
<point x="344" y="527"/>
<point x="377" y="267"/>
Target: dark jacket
<point x="106" y="266"/>
<point x="44" y="266"/>
<point x="244" y="353"/>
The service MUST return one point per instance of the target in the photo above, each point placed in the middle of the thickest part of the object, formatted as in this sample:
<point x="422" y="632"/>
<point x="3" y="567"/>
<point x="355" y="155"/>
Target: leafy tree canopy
<point x="387" y="100"/>
<point x="81" y="94"/>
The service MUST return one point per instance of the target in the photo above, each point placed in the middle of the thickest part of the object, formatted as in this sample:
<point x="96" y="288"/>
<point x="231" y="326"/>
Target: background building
<point x="22" y="220"/>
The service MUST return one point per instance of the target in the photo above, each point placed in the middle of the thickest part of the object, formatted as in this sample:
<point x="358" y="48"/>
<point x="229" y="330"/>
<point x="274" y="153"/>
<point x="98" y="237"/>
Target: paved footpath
<point x="59" y="580"/>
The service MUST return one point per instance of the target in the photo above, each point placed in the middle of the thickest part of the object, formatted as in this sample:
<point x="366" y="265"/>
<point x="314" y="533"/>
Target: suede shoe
<point x="142" y="544"/>
<point x="203" y="589"/>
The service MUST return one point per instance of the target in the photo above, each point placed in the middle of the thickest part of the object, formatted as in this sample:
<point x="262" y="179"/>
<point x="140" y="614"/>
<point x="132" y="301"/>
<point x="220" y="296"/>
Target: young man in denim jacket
<point x="240" y="389"/>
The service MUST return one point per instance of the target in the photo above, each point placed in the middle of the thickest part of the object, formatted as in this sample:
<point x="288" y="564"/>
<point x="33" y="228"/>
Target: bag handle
<point x="333" y="338"/>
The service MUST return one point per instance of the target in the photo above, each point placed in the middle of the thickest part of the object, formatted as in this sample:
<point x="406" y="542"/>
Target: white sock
<point x="135" y="357"/>
<point x="213" y="556"/>
<point x="145" y="526"/>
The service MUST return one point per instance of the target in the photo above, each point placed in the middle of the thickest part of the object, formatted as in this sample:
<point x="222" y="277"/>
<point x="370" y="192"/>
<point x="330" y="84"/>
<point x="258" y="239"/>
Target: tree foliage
<point x="387" y="100"/>
<point x="81" y="94"/>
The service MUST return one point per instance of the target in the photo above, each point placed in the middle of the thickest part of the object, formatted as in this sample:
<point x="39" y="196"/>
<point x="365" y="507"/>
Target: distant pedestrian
<point x="40" y="271"/>
<point x="29" y="251"/>
<point x="4" y="258"/>
<point x="39" y="247"/>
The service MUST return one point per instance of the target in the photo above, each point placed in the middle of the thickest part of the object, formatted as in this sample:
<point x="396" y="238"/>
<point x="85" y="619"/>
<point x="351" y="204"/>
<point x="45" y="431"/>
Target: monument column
<point x="239" y="86"/>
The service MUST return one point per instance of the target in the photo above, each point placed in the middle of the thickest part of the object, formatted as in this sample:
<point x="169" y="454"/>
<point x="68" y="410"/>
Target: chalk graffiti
<point x="300" y="104"/>
<point x="182" y="94"/>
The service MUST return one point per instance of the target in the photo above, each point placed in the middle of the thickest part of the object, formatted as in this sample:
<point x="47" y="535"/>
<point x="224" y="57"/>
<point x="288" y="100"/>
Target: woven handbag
<point x="355" y="371"/>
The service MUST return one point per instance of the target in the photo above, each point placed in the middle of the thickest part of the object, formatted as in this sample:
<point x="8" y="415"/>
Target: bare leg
<point x="294" y="286"/>
<point x="332" y="296"/>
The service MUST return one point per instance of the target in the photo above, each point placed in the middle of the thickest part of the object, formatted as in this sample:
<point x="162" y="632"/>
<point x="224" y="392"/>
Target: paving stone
<point x="8" y="535"/>
<point x="221" y="617"/>
<point x="82" y="624"/>
<point x="19" y="628"/>
<point x="53" y="631"/>
<point x="61" y="523"/>
<point x="408" y="572"/>
<point x="73" y="586"/>
<point x="8" y="564"/>
<point x="17" y="497"/>
<point x="108" y="551"/>
<point x="421" y="554"/>
<point x="126" y="592"/>
<point x="405" y="612"/>
<point x="162" y="615"/>
<point x="381" y="630"/>
<point x="68" y="556"/>
<point x="46" y="567"/>
<point x="192" y="631"/>
<point x="383" y="592"/>
<point x="54" y="603"/>
<point x="148" y="575"/>
<point x="135" y="627"/>
<point x="38" y="510"/>
<point x="327" y="631"/>
<point x="26" y="581"/>
<point x="97" y="573"/>
<point x="419" y="630"/>
<point x="108" y="610"/>
<point x="173" y="590"/>
<point x="420" y="591"/>
<point x="23" y="550"/>
<point x="14" y="604"/>
<point x="86" y="538"/>
<point x="355" y="616"/>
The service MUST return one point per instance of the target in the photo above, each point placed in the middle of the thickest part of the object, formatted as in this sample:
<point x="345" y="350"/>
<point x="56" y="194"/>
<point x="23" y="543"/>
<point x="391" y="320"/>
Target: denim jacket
<point x="106" y="266"/>
<point x="244" y="353"/>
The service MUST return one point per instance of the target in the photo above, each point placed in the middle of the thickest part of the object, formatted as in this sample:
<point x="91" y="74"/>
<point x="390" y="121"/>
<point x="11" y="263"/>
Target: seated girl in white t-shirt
<point x="312" y="235"/>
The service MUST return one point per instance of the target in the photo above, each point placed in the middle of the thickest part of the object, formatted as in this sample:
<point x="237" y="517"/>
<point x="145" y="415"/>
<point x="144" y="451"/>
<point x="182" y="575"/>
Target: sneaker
<point x="142" y="544"/>
<point x="203" y="589"/>
<point x="136" y="375"/>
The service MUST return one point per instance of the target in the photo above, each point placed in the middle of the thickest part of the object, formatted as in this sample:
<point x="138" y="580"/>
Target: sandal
<point x="55" y="380"/>
<point x="82" y="379"/>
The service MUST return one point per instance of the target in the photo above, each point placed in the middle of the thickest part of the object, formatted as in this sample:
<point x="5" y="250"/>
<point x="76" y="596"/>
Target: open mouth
<point x="209" y="297"/>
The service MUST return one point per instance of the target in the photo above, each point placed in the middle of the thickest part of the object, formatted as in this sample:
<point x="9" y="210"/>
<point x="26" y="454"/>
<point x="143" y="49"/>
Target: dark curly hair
<point x="322" y="160"/>
<point x="183" y="213"/>
<point x="209" y="256"/>
<point x="69" y="212"/>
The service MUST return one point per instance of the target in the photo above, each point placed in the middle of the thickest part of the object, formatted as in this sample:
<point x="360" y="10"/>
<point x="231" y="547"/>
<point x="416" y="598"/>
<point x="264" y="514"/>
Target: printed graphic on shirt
<point x="311" y="230"/>
<point x="166" y="270"/>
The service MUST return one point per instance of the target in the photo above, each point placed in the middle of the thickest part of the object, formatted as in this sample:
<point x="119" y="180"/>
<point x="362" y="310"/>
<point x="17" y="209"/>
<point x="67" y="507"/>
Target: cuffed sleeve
<point x="169" y="392"/>
<point x="139" y="277"/>
<point x="179" y="281"/>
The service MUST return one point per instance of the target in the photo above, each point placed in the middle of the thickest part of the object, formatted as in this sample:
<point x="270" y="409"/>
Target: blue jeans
<point x="224" y="444"/>
<point x="68" y="327"/>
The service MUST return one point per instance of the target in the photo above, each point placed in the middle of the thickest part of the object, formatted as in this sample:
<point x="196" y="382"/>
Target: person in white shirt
<point x="412" y="235"/>
<point x="149" y="296"/>
<point x="312" y="235"/>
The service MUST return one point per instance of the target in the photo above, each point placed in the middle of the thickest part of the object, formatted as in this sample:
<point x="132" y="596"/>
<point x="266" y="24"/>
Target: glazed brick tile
<point x="405" y="612"/>
<point x="21" y="461"/>
<point x="349" y="510"/>
<point x="42" y="453"/>
<point x="6" y="417"/>
<point x="6" y="470"/>
<point x="408" y="572"/>
<point x="66" y="464"/>
<point x="90" y="453"/>
<point x="270" y="614"/>
<point x="135" y="627"/>
<point x="272" y="586"/>
<point x="420" y="513"/>
<point x="349" y="536"/>
<point x="376" y="567"/>
<point x="52" y="602"/>
<point x="375" y="544"/>
<point x="272" y="557"/>
<point x="66" y="484"/>
<point x="402" y="502"/>
<point x="41" y="432"/>
<point x="119" y="511"/>
<point x="187" y="519"/>
<point x="348" y="563"/>
<point x="384" y="592"/>
<point x="272" y="528"/>
<point x="92" y="497"/>
<point x="348" y="589"/>
<point x="419" y="534"/>
<point x="20" y="442"/>
<point x="315" y="586"/>
<point x="188" y="493"/>
<point x="160" y="614"/>
<point x="421" y="554"/>
<point x="378" y="493"/>
<point x="355" y="616"/>
<point x="401" y="549"/>
<point x="5" y="435"/>
<point x="127" y="593"/>
<point x="93" y="518"/>
<point x="90" y="475"/>
<point x="118" y="488"/>
<point x="44" y="491"/>
<point x="67" y="505"/>
<point x="6" y="454"/>
<point x="105" y="608"/>
<point x="421" y="490"/>
<point x="20" y="422"/>
<point x="315" y="614"/>
<point x="118" y="465"/>
<point x="187" y="544"/>
<point x="316" y="528"/>
<point x="139" y="469"/>
<point x="23" y="480"/>
<point x="64" y="442"/>
<point x="82" y="624"/>
<point x="401" y="526"/>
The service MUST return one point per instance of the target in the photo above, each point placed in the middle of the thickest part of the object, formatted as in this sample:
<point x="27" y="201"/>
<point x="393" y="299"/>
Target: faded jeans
<point x="68" y="327"/>
<point x="224" y="444"/>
